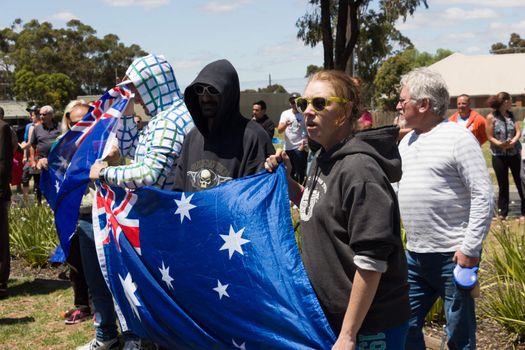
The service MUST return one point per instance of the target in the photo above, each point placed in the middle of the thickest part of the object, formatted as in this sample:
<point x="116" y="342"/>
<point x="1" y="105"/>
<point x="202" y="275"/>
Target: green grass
<point x="30" y="317"/>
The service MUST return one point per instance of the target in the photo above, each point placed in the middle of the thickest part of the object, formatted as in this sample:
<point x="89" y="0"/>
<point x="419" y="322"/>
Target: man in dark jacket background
<point x="259" y="116"/>
<point x="224" y="145"/>
<point x="6" y="163"/>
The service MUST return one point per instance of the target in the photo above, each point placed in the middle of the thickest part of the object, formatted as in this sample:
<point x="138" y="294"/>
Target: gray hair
<point x="47" y="109"/>
<point x="425" y="83"/>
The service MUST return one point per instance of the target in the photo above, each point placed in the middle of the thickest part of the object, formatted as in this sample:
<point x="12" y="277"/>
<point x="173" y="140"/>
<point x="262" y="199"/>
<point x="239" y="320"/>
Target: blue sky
<point x="259" y="36"/>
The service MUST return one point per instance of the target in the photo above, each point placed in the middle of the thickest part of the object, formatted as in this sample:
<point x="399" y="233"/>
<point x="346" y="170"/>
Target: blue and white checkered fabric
<point x="157" y="147"/>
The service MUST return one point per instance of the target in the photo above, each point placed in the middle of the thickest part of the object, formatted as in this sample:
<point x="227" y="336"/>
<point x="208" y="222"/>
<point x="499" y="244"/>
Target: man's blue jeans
<point x="429" y="276"/>
<point x="100" y="295"/>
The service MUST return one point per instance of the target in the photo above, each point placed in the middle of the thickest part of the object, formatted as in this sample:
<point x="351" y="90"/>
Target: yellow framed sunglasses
<point x="319" y="103"/>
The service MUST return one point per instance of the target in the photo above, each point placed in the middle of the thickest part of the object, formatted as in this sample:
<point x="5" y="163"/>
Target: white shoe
<point x="95" y="344"/>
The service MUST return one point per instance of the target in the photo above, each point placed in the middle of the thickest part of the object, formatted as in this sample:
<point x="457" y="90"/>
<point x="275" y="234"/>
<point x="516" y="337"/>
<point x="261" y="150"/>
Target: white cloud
<point x="488" y="3"/>
<point x="224" y="6"/>
<point x="461" y="36"/>
<point x="448" y="17"/>
<point x="507" y="28"/>
<point x="294" y="50"/>
<point x="472" y="50"/>
<point x="140" y="3"/>
<point x="196" y="61"/>
<point x="64" y="16"/>
<point x="188" y="64"/>
<point x="457" y="14"/>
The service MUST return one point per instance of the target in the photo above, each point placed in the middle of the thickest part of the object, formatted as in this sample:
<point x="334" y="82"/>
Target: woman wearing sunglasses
<point x="350" y="226"/>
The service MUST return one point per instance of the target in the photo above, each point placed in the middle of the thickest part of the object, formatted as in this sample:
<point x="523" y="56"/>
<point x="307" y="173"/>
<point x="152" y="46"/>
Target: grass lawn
<point x="30" y="317"/>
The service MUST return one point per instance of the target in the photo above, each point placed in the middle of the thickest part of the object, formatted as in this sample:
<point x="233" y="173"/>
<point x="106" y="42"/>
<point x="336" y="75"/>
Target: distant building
<point x="16" y="115"/>
<point x="14" y="109"/>
<point x="482" y="76"/>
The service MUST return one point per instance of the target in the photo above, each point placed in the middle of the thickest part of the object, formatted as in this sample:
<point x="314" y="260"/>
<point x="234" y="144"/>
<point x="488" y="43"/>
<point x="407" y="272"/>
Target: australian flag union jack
<point x="69" y="162"/>
<point x="218" y="269"/>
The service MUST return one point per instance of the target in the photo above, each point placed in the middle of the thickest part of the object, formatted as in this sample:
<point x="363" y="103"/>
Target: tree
<point x="389" y="74"/>
<point x="312" y="69"/>
<point x="274" y="89"/>
<point x="24" y="87"/>
<point x="336" y="23"/>
<point x="377" y="38"/>
<point x="515" y="45"/>
<point x="88" y="62"/>
<point x="53" y="89"/>
<point x="387" y="81"/>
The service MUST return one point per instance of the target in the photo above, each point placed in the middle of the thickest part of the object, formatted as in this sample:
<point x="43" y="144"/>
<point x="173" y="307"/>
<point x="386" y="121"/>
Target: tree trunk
<point x="341" y="33"/>
<point x="349" y="68"/>
<point x="328" y="41"/>
<point x="350" y="33"/>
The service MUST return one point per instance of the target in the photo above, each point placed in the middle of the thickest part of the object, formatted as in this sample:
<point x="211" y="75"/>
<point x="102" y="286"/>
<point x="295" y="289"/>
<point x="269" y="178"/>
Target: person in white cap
<point x="295" y="138"/>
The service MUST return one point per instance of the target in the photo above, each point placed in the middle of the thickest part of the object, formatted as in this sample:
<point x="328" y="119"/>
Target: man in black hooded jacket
<point x="224" y="145"/>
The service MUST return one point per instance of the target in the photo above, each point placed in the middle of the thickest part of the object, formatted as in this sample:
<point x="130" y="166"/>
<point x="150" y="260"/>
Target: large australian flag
<point x="218" y="269"/>
<point x="70" y="159"/>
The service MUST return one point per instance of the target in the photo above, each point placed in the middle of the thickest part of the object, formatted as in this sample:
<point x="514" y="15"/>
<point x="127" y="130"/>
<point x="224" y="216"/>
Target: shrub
<point x="436" y="312"/>
<point x="32" y="233"/>
<point x="504" y="303"/>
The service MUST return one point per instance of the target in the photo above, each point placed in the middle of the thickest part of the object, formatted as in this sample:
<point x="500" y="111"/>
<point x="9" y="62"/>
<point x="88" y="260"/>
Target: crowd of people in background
<point x="353" y="182"/>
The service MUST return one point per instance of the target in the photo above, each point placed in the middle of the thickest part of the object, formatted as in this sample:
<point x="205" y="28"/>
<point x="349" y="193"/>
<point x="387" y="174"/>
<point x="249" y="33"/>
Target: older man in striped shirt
<point x="445" y="198"/>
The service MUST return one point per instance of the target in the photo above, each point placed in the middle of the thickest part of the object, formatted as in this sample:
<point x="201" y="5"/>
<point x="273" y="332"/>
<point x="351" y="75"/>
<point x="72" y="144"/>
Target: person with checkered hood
<point x="154" y="150"/>
<point x="157" y="146"/>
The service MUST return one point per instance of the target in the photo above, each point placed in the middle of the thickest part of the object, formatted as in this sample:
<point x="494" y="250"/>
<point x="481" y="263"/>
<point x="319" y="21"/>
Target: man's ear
<point x="424" y="105"/>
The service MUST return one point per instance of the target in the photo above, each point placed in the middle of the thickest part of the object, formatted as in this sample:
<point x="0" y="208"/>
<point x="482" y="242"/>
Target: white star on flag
<point x="165" y="271"/>
<point x="221" y="289"/>
<point x="237" y="346"/>
<point x="57" y="185"/>
<point x="64" y="163"/>
<point x="129" y="290"/>
<point x="184" y="207"/>
<point x="234" y="241"/>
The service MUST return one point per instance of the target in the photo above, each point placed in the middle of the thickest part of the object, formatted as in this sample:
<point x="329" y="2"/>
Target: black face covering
<point x="222" y="77"/>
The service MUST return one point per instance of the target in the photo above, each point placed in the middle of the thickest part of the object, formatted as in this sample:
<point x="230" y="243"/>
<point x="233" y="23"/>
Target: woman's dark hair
<point x="497" y="100"/>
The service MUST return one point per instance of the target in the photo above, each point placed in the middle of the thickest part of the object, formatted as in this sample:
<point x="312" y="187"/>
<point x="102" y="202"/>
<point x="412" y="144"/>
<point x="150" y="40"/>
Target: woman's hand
<point x="344" y="343"/>
<point x="504" y="144"/>
<point x="295" y="190"/>
<point x="273" y="161"/>
<point x="113" y="156"/>
<point x="41" y="164"/>
<point x="94" y="172"/>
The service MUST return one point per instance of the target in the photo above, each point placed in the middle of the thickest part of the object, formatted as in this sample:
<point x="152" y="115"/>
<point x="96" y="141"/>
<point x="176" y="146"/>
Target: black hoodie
<point x="233" y="148"/>
<point x="349" y="210"/>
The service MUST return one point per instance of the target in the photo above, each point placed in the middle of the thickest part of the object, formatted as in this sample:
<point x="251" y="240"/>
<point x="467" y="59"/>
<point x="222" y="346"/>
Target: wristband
<point x="101" y="175"/>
